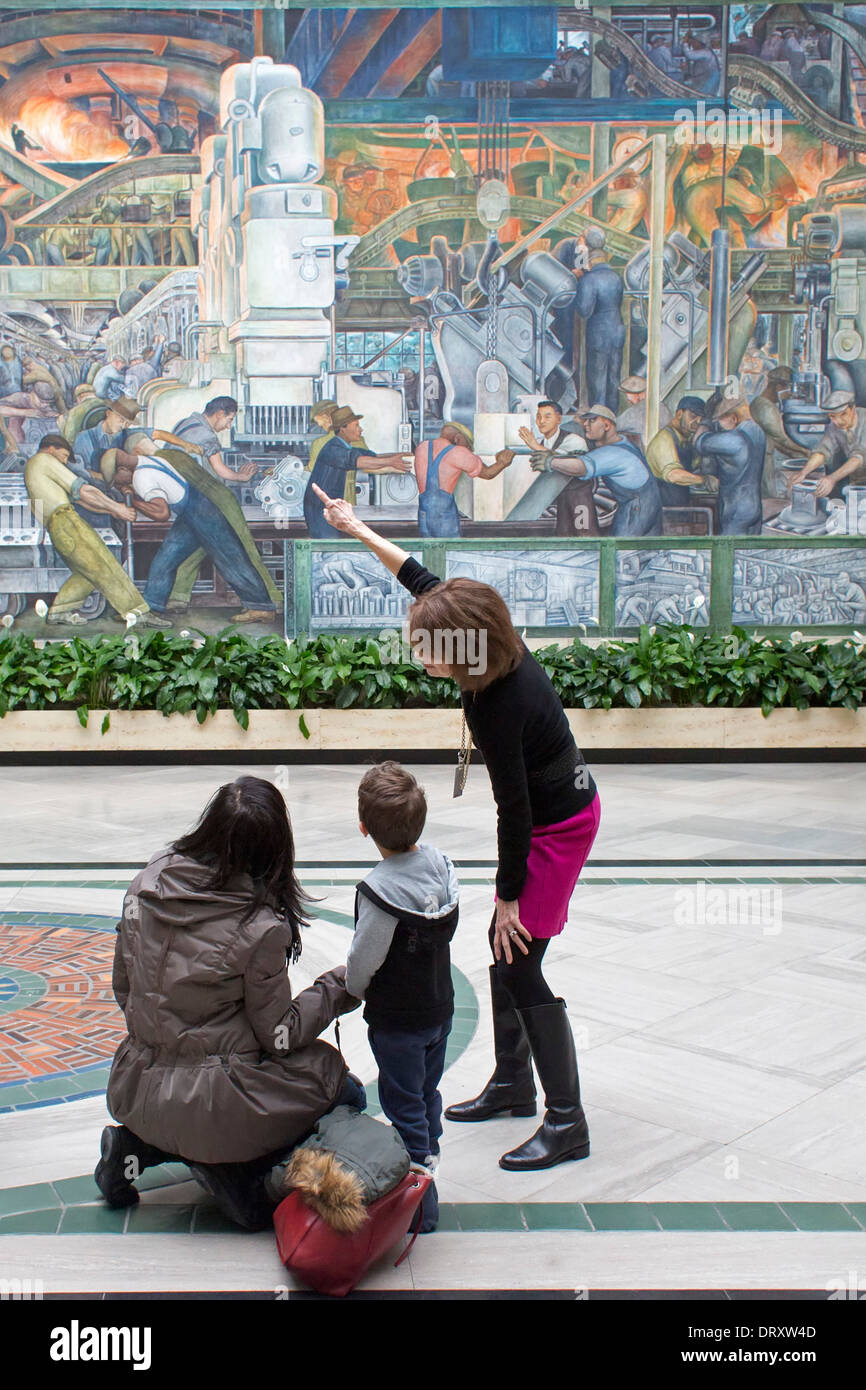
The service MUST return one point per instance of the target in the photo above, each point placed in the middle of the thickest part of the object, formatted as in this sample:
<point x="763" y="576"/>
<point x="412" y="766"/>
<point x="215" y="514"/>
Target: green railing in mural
<point x="600" y="587"/>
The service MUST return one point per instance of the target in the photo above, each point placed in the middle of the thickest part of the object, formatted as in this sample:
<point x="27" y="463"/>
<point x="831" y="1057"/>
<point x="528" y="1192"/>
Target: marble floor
<point x="714" y="967"/>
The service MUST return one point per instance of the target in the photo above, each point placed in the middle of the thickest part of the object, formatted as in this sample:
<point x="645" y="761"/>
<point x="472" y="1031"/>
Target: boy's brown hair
<point x="392" y="806"/>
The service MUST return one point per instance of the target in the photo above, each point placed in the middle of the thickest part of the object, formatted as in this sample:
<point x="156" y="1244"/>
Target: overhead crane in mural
<point x="464" y="228"/>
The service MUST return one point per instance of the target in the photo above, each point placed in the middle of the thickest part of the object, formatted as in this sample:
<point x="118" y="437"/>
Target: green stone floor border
<point x="73" y="1206"/>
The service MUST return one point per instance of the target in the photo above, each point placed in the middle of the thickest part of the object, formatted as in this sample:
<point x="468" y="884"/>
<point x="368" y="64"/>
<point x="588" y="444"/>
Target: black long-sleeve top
<point x="537" y="772"/>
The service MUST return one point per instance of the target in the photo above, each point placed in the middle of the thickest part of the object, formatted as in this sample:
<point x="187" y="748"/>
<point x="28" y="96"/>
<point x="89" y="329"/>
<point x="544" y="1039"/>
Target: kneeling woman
<point x="547" y="816"/>
<point x="222" y="1068"/>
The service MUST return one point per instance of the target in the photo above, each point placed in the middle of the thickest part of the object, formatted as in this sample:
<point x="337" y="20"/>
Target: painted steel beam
<point x="406" y="46"/>
<point x="357" y="40"/>
<point x="37" y="178"/>
<point x="416" y="56"/>
<point x="67" y="196"/>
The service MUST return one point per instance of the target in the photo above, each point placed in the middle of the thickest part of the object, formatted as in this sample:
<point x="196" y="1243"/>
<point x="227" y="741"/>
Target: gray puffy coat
<point x="221" y="1064"/>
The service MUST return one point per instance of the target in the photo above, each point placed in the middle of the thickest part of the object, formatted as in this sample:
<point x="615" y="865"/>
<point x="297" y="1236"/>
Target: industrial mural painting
<point x="527" y="275"/>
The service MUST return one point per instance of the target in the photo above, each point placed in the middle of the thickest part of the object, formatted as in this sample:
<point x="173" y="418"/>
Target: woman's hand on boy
<point x="350" y="1003"/>
<point x="509" y="932"/>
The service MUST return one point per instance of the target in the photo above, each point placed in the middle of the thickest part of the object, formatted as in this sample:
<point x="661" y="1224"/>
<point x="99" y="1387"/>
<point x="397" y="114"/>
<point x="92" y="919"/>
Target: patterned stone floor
<point x="715" y="972"/>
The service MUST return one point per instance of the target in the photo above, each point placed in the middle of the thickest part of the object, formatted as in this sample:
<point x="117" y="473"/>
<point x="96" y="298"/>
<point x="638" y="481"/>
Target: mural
<point x="798" y="587"/>
<point x="543" y="588"/>
<point x="663" y="586"/>
<point x="502" y="273"/>
<point x="352" y="590"/>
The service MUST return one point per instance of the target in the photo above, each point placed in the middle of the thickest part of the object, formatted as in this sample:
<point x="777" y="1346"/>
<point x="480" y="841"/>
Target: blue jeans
<point x="410" y="1069"/>
<point x="199" y="523"/>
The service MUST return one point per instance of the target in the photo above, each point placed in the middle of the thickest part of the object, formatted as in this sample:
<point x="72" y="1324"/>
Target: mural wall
<point x="535" y="277"/>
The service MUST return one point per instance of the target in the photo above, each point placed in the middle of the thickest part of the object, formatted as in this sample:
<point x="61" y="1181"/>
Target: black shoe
<point x="124" y="1158"/>
<point x="239" y="1195"/>
<point x="563" y="1134"/>
<point x="511" y="1089"/>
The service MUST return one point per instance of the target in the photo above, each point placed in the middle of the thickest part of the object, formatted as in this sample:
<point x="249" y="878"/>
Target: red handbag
<point x="332" y="1262"/>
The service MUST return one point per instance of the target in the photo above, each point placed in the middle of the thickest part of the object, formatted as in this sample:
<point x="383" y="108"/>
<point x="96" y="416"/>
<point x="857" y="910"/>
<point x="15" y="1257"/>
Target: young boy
<point x="400" y="962"/>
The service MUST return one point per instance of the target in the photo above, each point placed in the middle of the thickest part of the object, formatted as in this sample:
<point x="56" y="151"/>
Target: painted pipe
<point x="720" y="287"/>
<point x="656" y="284"/>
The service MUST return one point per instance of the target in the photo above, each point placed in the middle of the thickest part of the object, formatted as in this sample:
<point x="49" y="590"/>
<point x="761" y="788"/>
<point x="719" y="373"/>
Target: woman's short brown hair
<point x="392" y="806"/>
<point x="470" y="625"/>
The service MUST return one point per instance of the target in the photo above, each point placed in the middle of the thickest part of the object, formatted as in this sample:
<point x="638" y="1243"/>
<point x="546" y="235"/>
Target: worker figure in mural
<point x="766" y="412"/>
<point x="575" y="505"/>
<point x="144" y="366"/>
<point x="439" y="464"/>
<point x="108" y="433"/>
<point x="624" y="469"/>
<point x="181" y="244"/>
<point x="204" y="428"/>
<point x="851" y="598"/>
<point x="671" y="453"/>
<point x="105" y="243"/>
<point x="341" y="455"/>
<point x="734" y="452"/>
<point x="35" y="371"/>
<point x="321" y="415"/>
<point x="11" y="370"/>
<point x="199" y="433"/>
<point x="702" y="65"/>
<point x="25" y="416"/>
<point x="163" y="484"/>
<point x="21" y="139"/>
<point x="53" y="488"/>
<point x="109" y="383"/>
<point x="842" y="446"/>
<point x="599" y="301"/>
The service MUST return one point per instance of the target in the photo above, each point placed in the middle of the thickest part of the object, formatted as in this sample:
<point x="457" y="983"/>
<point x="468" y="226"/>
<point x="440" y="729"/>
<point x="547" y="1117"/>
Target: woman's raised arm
<point x="341" y="515"/>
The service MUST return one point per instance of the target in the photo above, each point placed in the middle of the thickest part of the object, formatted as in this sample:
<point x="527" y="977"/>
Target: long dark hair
<point x="245" y="829"/>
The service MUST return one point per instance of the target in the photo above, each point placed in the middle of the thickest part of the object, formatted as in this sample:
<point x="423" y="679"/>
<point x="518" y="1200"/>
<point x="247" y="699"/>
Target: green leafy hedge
<point x="663" y="666"/>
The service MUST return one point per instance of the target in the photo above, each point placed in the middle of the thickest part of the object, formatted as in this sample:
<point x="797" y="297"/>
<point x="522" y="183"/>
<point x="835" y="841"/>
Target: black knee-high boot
<point x="563" y="1133"/>
<point x="123" y="1158"/>
<point x="511" y="1088"/>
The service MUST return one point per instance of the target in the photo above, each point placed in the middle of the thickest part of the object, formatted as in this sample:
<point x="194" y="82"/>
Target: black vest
<point x="412" y="988"/>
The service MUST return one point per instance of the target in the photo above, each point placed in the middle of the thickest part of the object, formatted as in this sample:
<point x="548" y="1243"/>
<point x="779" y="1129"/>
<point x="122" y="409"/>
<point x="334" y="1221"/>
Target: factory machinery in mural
<point x="544" y="279"/>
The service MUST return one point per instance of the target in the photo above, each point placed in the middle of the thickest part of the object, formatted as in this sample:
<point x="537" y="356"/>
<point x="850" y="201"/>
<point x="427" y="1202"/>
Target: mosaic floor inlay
<point x="59" y="1023"/>
<point x="59" y="1018"/>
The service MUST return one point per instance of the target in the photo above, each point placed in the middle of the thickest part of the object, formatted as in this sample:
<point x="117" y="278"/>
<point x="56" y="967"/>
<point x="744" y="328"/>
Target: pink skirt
<point x="556" y="856"/>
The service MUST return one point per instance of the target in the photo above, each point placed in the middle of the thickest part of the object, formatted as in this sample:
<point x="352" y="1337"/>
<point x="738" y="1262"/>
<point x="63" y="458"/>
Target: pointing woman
<point x="547" y="816"/>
